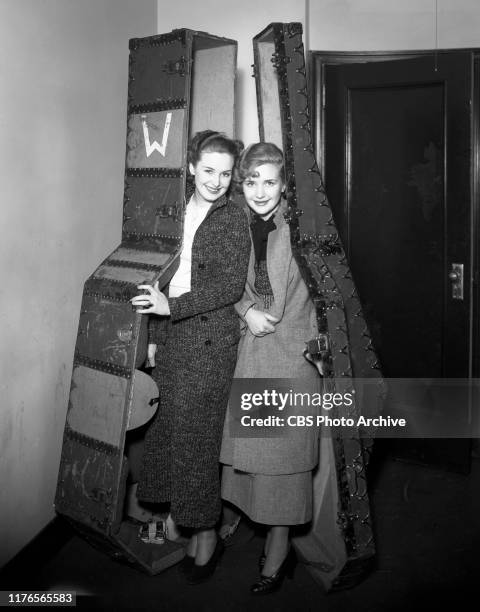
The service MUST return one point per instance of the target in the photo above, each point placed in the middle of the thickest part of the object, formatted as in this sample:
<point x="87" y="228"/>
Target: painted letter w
<point x="154" y="146"/>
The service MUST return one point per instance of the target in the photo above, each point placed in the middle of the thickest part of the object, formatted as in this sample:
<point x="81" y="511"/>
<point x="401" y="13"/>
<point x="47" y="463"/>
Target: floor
<point x="427" y="535"/>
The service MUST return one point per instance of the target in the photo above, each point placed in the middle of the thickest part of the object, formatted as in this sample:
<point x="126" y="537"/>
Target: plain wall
<point x="340" y="25"/>
<point x="370" y="25"/>
<point x="240" y="20"/>
<point x="63" y="99"/>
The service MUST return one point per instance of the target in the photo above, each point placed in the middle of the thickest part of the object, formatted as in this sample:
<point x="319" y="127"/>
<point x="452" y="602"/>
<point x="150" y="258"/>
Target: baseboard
<point x="37" y="553"/>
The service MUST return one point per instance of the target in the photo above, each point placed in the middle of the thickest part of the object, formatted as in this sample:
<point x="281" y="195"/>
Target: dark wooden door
<point x="397" y="161"/>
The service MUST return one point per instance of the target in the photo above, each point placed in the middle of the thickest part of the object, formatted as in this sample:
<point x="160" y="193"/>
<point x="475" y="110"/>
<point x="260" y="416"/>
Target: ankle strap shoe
<point x="269" y="584"/>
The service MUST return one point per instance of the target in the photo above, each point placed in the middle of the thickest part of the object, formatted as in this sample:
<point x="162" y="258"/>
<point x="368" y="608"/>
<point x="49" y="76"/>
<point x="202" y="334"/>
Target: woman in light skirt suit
<point x="270" y="479"/>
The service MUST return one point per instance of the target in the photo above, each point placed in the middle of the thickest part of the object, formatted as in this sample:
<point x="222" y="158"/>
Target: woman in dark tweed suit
<point x="197" y="334"/>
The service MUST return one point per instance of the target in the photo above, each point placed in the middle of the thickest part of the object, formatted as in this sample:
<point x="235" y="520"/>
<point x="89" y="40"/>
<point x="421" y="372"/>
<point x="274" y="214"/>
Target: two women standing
<point x="197" y="337"/>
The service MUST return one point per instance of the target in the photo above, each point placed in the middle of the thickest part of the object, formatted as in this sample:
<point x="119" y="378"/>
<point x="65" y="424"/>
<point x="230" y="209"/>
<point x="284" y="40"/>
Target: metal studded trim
<point x="157" y="106"/>
<point x="323" y="263"/>
<point x="155" y="172"/>
<point x="157" y="41"/>
<point x="103" y="366"/>
<point x="134" y="235"/>
<point x="121" y="263"/>
<point x="113" y="281"/>
<point x="323" y="245"/>
<point x="122" y="291"/>
<point x="104" y="296"/>
<point x="103" y="447"/>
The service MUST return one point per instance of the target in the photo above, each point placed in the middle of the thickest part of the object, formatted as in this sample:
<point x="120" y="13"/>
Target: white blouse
<point x="195" y="213"/>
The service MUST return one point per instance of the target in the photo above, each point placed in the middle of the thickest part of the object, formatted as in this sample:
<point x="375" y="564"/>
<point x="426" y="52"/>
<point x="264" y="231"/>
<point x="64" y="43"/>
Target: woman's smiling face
<point x="263" y="189"/>
<point x="213" y="174"/>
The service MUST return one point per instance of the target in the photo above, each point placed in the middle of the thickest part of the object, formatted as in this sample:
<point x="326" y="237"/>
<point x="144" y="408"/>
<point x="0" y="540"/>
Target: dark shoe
<point x="269" y="584"/>
<point x="186" y="564"/>
<point x="201" y="573"/>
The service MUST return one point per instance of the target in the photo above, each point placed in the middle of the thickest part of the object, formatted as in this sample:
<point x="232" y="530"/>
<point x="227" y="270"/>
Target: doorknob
<point x="456" y="276"/>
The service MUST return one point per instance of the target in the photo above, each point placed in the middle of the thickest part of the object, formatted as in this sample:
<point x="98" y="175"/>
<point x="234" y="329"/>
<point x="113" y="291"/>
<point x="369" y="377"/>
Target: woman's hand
<point x="260" y="323"/>
<point x="151" y="352"/>
<point x="153" y="302"/>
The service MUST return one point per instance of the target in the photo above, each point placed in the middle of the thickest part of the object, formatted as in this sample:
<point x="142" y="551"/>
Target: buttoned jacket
<point x="220" y="254"/>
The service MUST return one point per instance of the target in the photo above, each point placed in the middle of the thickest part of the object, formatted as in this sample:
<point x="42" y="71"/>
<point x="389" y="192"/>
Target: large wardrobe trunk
<point x="338" y="547"/>
<point x="179" y="83"/>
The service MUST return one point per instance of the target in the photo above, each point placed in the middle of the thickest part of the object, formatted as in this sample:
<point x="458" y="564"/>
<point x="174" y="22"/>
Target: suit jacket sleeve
<point x="248" y="298"/>
<point x="244" y="304"/>
<point x="156" y="329"/>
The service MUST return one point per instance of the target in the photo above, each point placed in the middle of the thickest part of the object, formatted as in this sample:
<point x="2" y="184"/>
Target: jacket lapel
<point x="278" y="259"/>
<point x="222" y="201"/>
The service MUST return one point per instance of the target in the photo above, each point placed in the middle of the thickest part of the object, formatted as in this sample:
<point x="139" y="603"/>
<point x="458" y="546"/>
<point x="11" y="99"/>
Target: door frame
<point x="317" y="62"/>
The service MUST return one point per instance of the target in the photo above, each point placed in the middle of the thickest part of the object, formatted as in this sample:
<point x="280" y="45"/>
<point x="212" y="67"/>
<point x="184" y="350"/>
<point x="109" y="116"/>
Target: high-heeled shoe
<point x="269" y="584"/>
<point x="201" y="573"/>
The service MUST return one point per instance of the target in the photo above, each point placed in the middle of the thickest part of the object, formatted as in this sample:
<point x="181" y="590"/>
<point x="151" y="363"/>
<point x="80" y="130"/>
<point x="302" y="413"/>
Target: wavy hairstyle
<point x="210" y="141"/>
<point x="256" y="155"/>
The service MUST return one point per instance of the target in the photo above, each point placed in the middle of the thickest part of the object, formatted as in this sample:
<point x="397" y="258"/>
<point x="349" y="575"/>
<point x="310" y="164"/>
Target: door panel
<point x="397" y="146"/>
<point x="400" y="175"/>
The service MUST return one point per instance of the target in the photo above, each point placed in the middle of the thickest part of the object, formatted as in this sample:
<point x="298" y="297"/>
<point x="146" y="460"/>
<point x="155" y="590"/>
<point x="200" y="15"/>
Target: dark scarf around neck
<point x="260" y="230"/>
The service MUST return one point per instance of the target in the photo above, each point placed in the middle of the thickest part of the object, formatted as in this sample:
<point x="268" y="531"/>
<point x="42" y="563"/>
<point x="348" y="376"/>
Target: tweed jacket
<point x="220" y="255"/>
<point x="276" y="355"/>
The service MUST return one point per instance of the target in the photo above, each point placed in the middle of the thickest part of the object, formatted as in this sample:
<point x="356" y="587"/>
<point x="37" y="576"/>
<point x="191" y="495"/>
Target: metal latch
<point x="319" y="347"/>
<point x="169" y="211"/>
<point x="179" y="66"/>
<point x="456" y="276"/>
<point x="318" y="352"/>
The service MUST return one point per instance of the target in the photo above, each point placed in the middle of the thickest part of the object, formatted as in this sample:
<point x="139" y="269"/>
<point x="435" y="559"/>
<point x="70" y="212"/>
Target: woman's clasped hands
<point x="152" y="302"/>
<point x="259" y="322"/>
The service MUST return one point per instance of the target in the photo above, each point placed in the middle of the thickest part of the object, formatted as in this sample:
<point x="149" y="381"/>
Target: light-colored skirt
<point x="283" y="499"/>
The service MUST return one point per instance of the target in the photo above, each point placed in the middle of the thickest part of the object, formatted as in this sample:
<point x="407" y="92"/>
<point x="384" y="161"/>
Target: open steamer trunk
<point x="179" y="83"/>
<point x="339" y="546"/>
